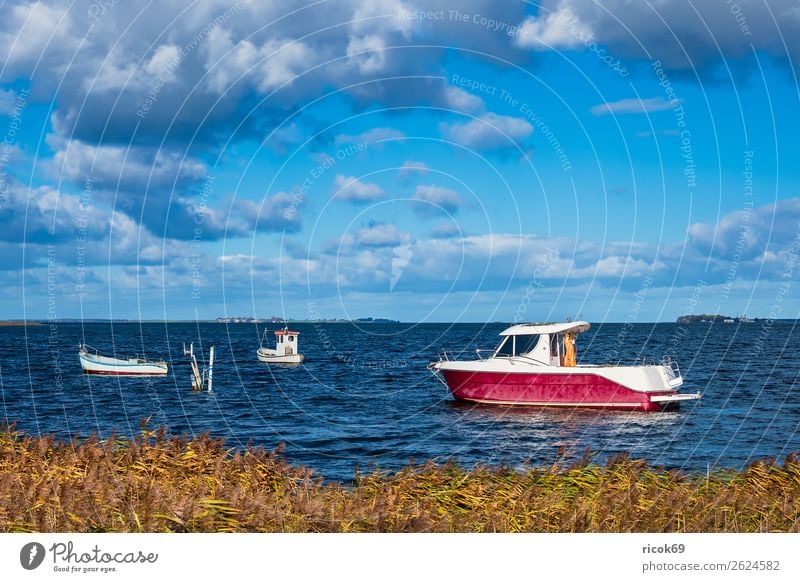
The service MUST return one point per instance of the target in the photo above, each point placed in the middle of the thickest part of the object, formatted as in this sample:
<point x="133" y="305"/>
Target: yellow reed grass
<point x="154" y="483"/>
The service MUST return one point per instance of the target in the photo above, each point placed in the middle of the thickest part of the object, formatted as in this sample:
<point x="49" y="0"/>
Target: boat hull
<point x="272" y="358"/>
<point x="551" y="389"/>
<point x="90" y="366"/>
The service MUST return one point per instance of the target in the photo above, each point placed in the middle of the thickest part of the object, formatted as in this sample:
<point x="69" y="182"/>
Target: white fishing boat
<point x="93" y="363"/>
<point x="285" y="352"/>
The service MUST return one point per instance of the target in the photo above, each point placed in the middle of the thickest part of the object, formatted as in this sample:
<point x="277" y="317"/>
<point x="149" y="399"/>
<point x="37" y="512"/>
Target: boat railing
<point x="89" y="349"/>
<point x="449" y="356"/>
<point x="139" y="358"/>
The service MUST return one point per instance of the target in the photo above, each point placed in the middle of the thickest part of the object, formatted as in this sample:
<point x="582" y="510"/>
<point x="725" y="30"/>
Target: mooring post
<point x="210" y="368"/>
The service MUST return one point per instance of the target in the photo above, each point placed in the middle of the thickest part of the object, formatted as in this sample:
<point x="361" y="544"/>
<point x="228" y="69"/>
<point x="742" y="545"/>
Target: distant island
<point x="281" y="320"/>
<point x="706" y="318"/>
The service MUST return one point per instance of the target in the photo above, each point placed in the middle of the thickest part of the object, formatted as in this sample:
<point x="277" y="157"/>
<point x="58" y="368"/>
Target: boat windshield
<point x="516" y="345"/>
<point x="506" y="348"/>
<point x="526" y="343"/>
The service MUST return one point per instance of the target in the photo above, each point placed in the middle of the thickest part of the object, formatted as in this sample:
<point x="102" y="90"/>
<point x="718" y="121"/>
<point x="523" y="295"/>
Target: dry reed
<point x="156" y="483"/>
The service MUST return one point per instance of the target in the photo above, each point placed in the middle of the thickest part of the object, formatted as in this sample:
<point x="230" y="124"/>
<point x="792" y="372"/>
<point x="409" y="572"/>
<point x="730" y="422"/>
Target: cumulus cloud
<point x="752" y="233"/>
<point x="488" y="132"/>
<point x="374" y="237"/>
<point x="362" y="261"/>
<point x="43" y="215"/>
<point x="463" y="101"/>
<point x="35" y="31"/>
<point x="380" y="235"/>
<point x="269" y="66"/>
<point x="78" y="227"/>
<point x="558" y="28"/>
<point x="367" y="52"/>
<point x="127" y="169"/>
<point x="8" y="100"/>
<point x="683" y="35"/>
<point x="278" y="212"/>
<point x="411" y="167"/>
<point x="650" y="105"/>
<point x="199" y="78"/>
<point x="432" y="200"/>
<point x="354" y="190"/>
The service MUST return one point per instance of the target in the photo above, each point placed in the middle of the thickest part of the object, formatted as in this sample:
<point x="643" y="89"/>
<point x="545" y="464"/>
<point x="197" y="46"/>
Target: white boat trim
<point x="677" y="397"/>
<point x="548" y="328"/>
<point x="127" y="364"/>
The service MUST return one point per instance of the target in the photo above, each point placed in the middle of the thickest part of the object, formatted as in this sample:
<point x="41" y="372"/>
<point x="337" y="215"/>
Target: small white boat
<point x="285" y="351"/>
<point x="93" y="363"/>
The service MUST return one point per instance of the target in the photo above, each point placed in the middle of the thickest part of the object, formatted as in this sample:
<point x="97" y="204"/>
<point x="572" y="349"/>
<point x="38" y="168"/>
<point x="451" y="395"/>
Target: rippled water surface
<point x="365" y="398"/>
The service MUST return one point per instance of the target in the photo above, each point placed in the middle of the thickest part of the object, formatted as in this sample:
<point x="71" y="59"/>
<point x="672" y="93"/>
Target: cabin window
<point x="526" y="344"/>
<point x="506" y="349"/>
<point x="554" y="346"/>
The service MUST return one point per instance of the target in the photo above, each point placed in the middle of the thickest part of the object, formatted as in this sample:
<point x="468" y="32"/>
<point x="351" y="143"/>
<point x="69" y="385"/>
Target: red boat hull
<point x="547" y="390"/>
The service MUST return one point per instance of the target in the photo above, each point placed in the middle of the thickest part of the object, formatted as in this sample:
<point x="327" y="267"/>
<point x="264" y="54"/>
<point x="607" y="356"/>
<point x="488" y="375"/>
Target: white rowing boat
<point x="94" y="363"/>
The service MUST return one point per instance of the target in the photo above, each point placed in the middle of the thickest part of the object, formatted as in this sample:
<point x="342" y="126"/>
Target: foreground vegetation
<point x="155" y="483"/>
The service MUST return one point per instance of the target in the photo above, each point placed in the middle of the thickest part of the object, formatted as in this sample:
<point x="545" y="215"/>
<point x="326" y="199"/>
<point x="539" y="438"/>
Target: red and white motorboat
<point x="93" y="363"/>
<point x="535" y="365"/>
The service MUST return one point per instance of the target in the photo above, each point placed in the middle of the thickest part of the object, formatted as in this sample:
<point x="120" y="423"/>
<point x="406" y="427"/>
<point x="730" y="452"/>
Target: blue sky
<point x="433" y="161"/>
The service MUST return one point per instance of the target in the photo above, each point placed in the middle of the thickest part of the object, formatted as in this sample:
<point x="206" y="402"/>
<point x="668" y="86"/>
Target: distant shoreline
<point x="43" y="322"/>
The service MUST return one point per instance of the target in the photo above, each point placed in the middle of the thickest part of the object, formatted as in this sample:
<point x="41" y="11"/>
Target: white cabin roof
<point x="541" y="328"/>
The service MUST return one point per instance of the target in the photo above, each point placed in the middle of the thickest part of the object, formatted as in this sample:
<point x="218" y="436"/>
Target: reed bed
<point x="155" y="483"/>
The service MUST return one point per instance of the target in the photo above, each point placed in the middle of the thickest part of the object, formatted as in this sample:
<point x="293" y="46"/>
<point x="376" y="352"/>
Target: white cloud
<point x="275" y="63"/>
<point x="556" y="29"/>
<point x="750" y="233"/>
<point x="380" y="235"/>
<point x="114" y="168"/>
<point x="487" y="132"/>
<point x="34" y="32"/>
<point x="374" y="135"/>
<point x="164" y="61"/>
<point x="650" y="105"/>
<point x="435" y="199"/>
<point x="8" y="100"/>
<point x="410" y="167"/>
<point x="354" y="190"/>
<point x="367" y="52"/>
<point x="464" y="101"/>
<point x="681" y="35"/>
